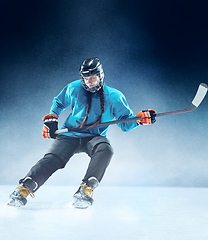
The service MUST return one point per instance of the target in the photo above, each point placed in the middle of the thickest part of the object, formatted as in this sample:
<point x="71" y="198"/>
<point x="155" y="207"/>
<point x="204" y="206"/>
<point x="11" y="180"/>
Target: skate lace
<point x="25" y="191"/>
<point x="87" y="190"/>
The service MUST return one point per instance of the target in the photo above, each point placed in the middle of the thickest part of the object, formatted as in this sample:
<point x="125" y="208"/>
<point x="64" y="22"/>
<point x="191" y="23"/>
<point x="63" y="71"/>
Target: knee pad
<point x="105" y="147"/>
<point x="101" y="142"/>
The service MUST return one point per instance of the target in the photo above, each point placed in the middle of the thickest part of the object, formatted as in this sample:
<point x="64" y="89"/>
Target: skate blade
<point x="14" y="203"/>
<point x="81" y="204"/>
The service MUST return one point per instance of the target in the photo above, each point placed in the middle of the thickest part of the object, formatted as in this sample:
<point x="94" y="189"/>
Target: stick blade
<point x="201" y="93"/>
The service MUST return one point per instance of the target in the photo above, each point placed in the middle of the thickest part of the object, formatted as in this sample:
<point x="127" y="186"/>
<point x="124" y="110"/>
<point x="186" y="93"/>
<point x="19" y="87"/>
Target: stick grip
<point x="62" y="131"/>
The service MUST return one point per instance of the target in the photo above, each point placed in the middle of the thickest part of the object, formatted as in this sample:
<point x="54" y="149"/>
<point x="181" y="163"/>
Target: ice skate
<point x="83" y="197"/>
<point x="18" y="197"/>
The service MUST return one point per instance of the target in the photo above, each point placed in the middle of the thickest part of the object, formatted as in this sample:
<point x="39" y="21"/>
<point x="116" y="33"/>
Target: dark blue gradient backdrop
<point x="155" y="52"/>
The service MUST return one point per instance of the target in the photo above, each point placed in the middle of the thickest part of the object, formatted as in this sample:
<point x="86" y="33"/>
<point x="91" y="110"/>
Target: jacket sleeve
<point x="121" y="110"/>
<point x="61" y="102"/>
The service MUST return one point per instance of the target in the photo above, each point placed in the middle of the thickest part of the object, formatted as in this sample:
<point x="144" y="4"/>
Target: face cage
<point x="94" y="89"/>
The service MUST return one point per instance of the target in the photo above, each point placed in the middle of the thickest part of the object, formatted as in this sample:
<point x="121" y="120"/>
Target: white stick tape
<point x="202" y="90"/>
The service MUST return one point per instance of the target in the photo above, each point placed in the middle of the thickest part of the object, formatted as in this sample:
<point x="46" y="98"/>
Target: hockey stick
<point x="201" y="93"/>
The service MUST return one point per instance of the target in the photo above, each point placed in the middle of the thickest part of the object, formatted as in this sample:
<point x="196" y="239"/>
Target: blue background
<point x="155" y="52"/>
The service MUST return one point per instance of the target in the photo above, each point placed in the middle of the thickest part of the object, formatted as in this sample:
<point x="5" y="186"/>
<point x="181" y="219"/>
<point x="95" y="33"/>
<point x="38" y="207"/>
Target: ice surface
<point x="124" y="213"/>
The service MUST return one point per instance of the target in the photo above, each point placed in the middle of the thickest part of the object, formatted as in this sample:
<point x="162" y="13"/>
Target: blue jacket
<point x="75" y="96"/>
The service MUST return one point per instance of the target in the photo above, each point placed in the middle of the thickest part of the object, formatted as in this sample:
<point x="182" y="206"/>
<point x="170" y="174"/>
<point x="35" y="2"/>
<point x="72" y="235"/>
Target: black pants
<point x="63" y="148"/>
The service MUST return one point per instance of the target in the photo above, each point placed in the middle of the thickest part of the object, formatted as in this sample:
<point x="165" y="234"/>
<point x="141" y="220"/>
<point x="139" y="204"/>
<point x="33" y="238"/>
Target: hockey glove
<point x="147" y="117"/>
<point x="50" y="126"/>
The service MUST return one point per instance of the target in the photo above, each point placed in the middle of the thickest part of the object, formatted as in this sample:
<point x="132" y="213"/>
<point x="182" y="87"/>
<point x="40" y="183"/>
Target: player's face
<point x="92" y="81"/>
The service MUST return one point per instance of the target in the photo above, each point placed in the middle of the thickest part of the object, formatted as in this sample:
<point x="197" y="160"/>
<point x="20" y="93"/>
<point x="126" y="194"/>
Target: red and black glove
<point x="147" y="117"/>
<point x="50" y="126"/>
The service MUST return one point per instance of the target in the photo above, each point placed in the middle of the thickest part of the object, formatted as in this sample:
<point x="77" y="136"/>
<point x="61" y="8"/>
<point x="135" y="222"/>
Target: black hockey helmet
<point x="91" y="67"/>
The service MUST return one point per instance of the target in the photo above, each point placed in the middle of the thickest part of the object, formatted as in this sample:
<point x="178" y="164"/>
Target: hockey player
<point x="91" y="102"/>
